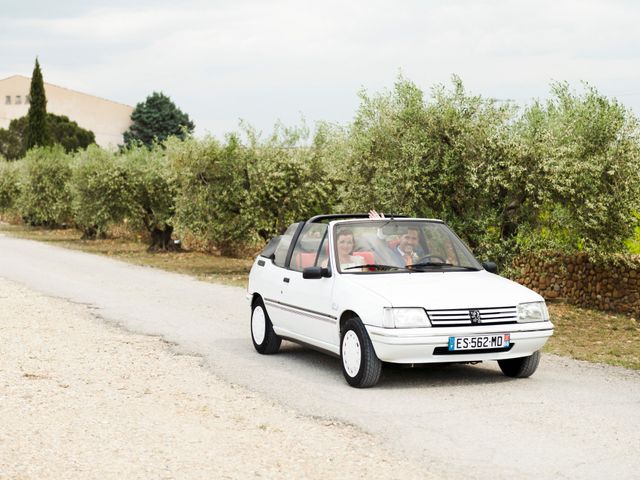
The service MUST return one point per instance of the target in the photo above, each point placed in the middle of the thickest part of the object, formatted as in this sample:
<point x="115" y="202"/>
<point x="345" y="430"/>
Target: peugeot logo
<point x="475" y="317"/>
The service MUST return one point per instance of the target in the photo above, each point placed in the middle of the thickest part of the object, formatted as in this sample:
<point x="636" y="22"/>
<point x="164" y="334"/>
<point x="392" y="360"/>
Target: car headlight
<point x="405" y="318"/>
<point x="532" y="312"/>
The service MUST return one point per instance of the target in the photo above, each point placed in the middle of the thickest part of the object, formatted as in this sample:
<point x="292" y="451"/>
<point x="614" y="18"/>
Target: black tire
<point x="367" y="372"/>
<point x="522" y="367"/>
<point x="270" y="342"/>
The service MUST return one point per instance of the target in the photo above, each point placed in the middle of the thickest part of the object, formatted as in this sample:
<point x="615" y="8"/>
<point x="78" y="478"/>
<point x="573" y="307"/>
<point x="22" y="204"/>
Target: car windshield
<point x="383" y="246"/>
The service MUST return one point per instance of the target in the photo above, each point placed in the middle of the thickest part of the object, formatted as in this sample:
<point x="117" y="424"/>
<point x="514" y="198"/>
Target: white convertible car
<point x="397" y="290"/>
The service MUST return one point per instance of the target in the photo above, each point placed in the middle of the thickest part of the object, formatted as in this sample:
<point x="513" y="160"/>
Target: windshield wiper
<point x="377" y="266"/>
<point x="440" y="264"/>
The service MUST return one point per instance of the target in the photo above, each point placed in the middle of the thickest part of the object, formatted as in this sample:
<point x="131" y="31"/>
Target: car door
<point x="310" y="314"/>
<point x="275" y="275"/>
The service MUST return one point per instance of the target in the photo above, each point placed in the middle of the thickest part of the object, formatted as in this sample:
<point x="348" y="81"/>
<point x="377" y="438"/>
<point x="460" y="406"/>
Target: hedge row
<point x="230" y="196"/>
<point x="561" y="175"/>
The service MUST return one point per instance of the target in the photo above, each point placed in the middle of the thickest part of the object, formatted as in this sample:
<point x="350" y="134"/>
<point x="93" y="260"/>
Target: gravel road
<point x="84" y="399"/>
<point x="570" y="420"/>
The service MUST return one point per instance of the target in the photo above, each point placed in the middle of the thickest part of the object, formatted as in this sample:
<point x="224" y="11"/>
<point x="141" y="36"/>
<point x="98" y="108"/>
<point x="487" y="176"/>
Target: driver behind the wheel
<point x="404" y="253"/>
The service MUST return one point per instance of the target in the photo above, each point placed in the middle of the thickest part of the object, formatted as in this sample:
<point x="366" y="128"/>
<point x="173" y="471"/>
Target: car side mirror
<point x="490" y="267"/>
<point x="316" y="272"/>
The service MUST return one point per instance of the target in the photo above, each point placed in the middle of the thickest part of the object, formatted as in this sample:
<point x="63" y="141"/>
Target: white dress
<point x="354" y="261"/>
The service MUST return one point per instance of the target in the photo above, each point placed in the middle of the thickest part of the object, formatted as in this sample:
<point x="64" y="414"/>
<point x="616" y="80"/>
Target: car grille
<point x="467" y="317"/>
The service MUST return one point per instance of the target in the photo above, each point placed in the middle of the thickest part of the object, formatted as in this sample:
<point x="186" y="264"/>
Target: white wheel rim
<point x="258" y="325"/>
<point x="351" y="353"/>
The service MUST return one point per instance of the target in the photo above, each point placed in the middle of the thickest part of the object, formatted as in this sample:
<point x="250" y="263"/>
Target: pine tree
<point x="37" y="133"/>
<point x="156" y="119"/>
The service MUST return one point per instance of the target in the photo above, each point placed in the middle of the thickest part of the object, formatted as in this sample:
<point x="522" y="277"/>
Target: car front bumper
<point x="429" y="345"/>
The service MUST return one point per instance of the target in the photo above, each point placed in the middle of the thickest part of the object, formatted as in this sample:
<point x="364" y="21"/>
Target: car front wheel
<point x="264" y="338"/>
<point x="522" y="367"/>
<point x="360" y="365"/>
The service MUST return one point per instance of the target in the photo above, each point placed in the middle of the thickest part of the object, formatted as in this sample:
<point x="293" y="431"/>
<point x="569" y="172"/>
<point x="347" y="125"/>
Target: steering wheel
<point x="429" y="258"/>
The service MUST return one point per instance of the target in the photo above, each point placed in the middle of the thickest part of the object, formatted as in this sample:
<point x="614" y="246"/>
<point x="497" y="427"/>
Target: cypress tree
<point x="36" y="133"/>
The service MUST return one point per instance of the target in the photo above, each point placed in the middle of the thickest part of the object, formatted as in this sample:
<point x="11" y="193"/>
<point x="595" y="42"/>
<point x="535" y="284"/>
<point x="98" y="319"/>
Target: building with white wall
<point x="106" y="119"/>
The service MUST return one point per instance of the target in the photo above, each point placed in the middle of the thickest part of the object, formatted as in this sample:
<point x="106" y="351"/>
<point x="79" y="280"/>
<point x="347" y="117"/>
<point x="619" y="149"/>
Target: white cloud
<point x="269" y="60"/>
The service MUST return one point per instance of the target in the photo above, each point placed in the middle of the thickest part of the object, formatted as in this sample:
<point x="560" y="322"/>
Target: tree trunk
<point x="161" y="240"/>
<point x="89" y="233"/>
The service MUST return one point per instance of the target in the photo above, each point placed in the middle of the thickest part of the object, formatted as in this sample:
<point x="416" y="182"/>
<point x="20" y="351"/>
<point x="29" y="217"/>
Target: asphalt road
<point x="570" y="420"/>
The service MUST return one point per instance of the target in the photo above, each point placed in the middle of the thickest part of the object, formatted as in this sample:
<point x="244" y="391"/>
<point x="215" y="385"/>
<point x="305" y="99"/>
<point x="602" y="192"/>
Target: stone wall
<point x="612" y="285"/>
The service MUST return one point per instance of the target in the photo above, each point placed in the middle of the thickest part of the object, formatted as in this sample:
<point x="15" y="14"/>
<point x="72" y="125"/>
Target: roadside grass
<point x="633" y="244"/>
<point x="594" y="335"/>
<point x="580" y="333"/>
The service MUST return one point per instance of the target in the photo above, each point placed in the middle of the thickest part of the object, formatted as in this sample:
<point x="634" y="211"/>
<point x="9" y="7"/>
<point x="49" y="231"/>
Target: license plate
<point x="479" y="342"/>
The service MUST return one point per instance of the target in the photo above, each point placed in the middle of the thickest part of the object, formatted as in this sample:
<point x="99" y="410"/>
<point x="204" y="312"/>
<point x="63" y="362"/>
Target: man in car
<point x="404" y="251"/>
<point x="400" y="252"/>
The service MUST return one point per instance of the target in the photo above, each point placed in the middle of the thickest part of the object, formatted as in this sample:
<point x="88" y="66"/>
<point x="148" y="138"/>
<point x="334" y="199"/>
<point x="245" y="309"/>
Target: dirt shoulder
<point x="83" y="399"/>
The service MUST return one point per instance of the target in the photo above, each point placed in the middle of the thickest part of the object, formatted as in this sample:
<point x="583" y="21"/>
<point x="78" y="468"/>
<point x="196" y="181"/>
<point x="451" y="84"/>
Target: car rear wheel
<point x="522" y="367"/>
<point x="360" y="365"/>
<point x="264" y="338"/>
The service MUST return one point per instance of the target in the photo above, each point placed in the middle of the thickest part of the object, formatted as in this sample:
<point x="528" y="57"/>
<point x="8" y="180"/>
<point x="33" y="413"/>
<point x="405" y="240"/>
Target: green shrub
<point x="287" y="179"/>
<point x="430" y="158"/>
<point x="211" y="192"/>
<point x="586" y="147"/>
<point x="153" y="194"/>
<point x="562" y="175"/>
<point x="102" y="191"/>
<point x="45" y="197"/>
<point x="9" y="184"/>
<point x="233" y="197"/>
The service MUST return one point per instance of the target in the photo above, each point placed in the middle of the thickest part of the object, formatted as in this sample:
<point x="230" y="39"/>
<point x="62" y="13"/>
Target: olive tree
<point x="45" y="191"/>
<point x="561" y="174"/>
<point x="102" y="191"/>
<point x="429" y="157"/>
<point x="211" y="192"/>
<point x="585" y="150"/>
<point x="153" y="192"/>
<point x="287" y="178"/>
<point x="235" y="195"/>
<point x="9" y="184"/>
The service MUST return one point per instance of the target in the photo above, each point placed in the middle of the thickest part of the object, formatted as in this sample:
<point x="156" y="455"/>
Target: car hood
<point x="440" y="290"/>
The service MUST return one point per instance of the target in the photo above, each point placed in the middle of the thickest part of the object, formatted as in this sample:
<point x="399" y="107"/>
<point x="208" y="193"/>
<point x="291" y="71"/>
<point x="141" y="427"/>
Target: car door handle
<point x="285" y="279"/>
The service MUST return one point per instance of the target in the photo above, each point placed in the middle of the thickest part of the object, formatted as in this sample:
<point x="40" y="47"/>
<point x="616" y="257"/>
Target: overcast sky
<point x="263" y="61"/>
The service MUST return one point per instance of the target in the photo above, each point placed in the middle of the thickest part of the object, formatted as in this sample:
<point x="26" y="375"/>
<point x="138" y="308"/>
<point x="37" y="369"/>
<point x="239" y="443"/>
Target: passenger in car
<point x="345" y="243"/>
